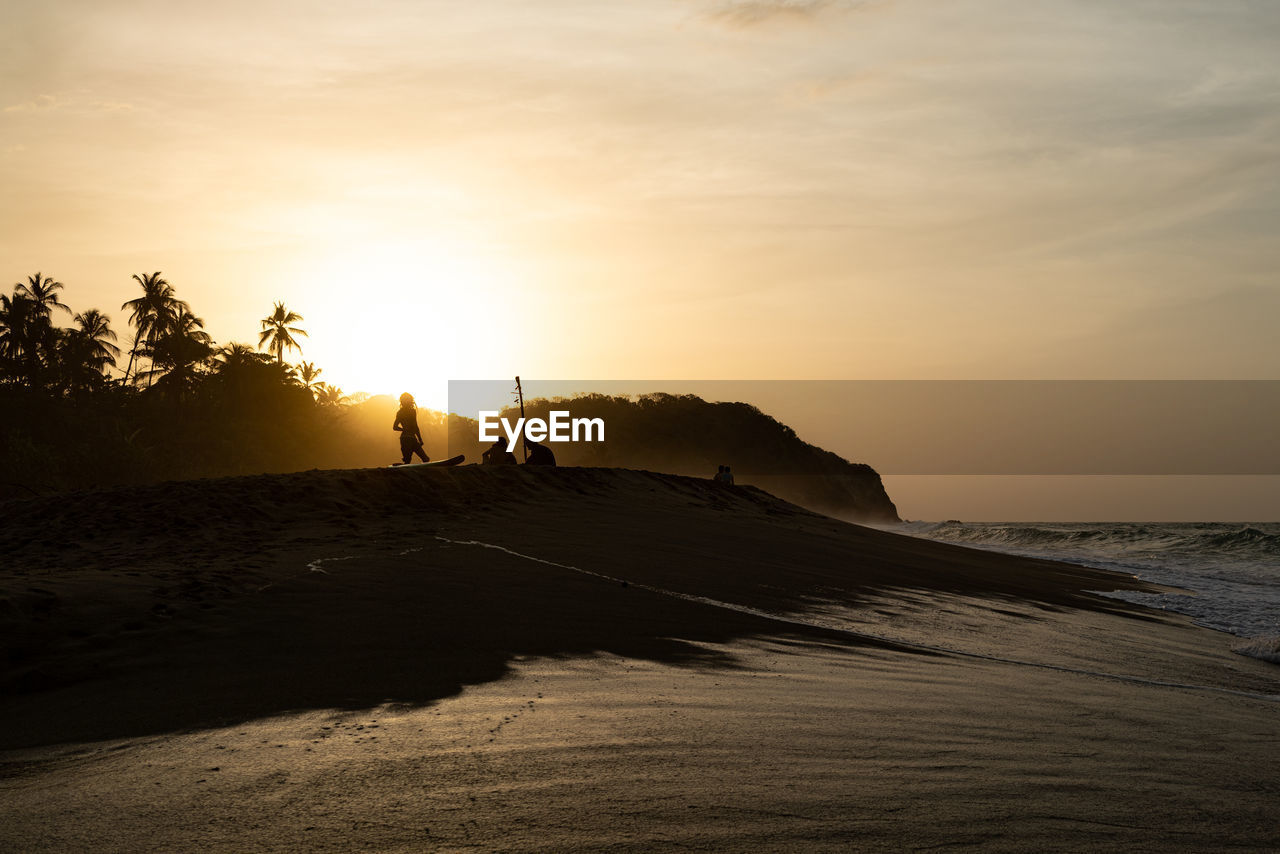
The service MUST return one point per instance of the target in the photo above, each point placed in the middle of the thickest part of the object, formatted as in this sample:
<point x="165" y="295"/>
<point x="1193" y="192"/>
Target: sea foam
<point x="1266" y="648"/>
<point x="1228" y="574"/>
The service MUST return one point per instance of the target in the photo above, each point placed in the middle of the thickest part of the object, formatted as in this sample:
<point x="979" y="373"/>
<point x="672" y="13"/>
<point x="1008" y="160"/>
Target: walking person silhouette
<point x="410" y="436"/>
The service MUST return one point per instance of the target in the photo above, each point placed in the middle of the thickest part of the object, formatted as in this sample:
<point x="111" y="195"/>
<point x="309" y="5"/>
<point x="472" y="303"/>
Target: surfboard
<point x="452" y="461"/>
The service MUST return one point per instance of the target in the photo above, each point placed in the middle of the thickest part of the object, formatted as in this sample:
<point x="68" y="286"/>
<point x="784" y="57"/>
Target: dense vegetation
<point x="182" y="407"/>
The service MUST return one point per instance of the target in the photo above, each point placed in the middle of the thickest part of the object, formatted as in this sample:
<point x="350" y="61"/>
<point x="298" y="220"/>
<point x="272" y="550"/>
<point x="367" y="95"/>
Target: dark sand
<point x="333" y="661"/>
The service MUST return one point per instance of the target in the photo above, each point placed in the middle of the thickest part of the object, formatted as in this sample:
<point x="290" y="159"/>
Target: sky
<point x="679" y="189"/>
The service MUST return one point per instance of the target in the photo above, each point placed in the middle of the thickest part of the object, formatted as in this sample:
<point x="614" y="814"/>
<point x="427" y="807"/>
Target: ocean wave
<point x="1231" y="571"/>
<point x="1247" y="537"/>
<point x="1265" y="648"/>
<point x="1246" y="542"/>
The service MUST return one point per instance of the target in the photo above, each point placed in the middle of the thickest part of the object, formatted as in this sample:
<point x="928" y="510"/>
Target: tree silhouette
<point x="328" y="395"/>
<point x="151" y="312"/>
<point x="28" y="338"/>
<point x="206" y="410"/>
<point x="234" y="356"/>
<point x="96" y="329"/>
<point x="178" y="350"/>
<point x="277" y="334"/>
<point x="84" y="352"/>
<point x="43" y="293"/>
<point x="17" y="323"/>
<point x="308" y="375"/>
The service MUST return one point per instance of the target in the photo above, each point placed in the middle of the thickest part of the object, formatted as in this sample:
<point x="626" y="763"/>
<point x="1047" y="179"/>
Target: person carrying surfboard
<point x="407" y="424"/>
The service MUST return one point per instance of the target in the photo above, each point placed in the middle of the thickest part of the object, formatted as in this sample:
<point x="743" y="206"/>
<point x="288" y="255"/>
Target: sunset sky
<point x="684" y="189"/>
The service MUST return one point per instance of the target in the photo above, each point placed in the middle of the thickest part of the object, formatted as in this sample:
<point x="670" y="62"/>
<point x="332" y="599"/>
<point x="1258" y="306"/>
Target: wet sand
<point x="583" y="659"/>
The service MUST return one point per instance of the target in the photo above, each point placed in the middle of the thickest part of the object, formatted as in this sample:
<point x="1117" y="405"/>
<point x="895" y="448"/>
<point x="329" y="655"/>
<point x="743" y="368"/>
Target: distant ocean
<point x="1231" y="571"/>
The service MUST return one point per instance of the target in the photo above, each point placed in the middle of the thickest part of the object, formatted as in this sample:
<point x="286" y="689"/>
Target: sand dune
<point x="549" y="659"/>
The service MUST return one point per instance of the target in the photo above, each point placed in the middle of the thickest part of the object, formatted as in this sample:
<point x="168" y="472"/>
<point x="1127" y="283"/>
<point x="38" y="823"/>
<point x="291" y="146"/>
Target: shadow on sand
<point x="213" y="609"/>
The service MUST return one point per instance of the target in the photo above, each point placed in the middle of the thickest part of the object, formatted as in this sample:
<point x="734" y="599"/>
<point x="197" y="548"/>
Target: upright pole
<point x="523" y="444"/>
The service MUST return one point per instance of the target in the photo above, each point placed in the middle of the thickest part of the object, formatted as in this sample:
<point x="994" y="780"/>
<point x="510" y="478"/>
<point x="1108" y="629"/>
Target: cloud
<point x="740" y="14"/>
<point x="38" y="104"/>
<point x="50" y="103"/>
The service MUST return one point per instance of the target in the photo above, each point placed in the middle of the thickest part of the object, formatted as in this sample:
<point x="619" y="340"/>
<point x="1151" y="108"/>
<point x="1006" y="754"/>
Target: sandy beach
<point x="588" y="659"/>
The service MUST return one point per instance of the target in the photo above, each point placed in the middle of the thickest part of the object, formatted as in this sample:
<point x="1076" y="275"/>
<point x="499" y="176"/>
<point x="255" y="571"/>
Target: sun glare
<point x="387" y="317"/>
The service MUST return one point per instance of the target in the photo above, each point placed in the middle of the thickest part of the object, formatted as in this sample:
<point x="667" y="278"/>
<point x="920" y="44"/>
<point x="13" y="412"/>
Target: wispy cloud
<point x="60" y="103"/>
<point x="752" y="13"/>
<point x="40" y="103"/>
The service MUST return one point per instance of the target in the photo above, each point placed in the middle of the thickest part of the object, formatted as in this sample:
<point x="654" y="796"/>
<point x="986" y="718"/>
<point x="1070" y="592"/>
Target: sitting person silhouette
<point x="498" y="455"/>
<point x="728" y="476"/>
<point x="539" y="455"/>
<point x="719" y="475"/>
<point x="407" y="424"/>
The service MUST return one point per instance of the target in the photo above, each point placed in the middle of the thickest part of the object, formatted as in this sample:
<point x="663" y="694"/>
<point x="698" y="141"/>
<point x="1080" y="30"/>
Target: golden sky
<point x="664" y="188"/>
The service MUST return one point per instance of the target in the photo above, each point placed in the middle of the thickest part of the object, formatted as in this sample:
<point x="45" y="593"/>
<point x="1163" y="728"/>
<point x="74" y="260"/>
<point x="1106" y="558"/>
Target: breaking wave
<point x="1260" y="542"/>
<point x="1230" y="573"/>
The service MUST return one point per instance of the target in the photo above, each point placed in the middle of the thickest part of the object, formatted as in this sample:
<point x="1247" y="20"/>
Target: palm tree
<point x="16" y="324"/>
<point x="82" y="354"/>
<point x="85" y="351"/>
<point x="245" y="379"/>
<point x="28" y="339"/>
<point x="186" y="324"/>
<point x="233" y="356"/>
<point x="308" y="375"/>
<point x="43" y="293"/>
<point x="96" y="329"/>
<point x="277" y="334"/>
<point x="178" y="350"/>
<point x="151" y="312"/>
<point x="14" y="327"/>
<point x="329" y="395"/>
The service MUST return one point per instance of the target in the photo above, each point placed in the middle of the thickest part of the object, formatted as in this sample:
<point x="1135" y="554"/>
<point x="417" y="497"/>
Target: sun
<point x="389" y="316"/>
